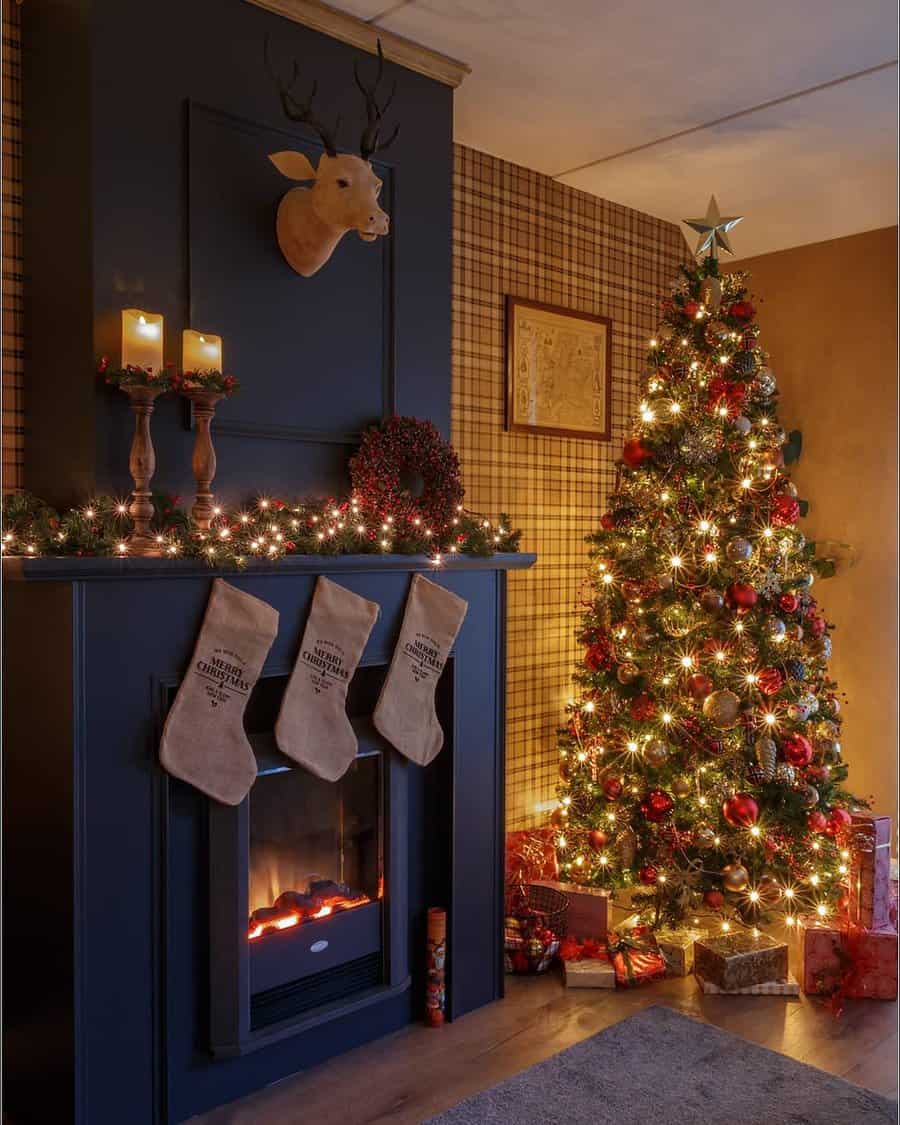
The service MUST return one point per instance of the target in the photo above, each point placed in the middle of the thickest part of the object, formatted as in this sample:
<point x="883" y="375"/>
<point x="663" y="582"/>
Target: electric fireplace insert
<point x="306" y="881"/>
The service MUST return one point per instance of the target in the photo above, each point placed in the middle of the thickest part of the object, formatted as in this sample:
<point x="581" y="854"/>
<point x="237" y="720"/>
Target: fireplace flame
<point x="267" y="920"/>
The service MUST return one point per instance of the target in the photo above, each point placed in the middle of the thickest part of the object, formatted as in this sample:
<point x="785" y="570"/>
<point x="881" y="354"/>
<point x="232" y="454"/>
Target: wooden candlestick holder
<point x="142" y="466"/>
<point x="204" y="460"/>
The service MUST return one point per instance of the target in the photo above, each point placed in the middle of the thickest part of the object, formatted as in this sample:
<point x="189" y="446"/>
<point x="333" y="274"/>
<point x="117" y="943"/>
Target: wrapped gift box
<point x="870" y="871"/>
<point x="849" y="960"/>
<point x="531" y="856"/>
<point x="892" y="908"/>
<point x="636" y="957"/>
<point x="589" y="909"/>
<point x="592" y="972"/>
<point x="677" y="948"/>
<point x="740" y="959"/>
<point x="788" y="987"/>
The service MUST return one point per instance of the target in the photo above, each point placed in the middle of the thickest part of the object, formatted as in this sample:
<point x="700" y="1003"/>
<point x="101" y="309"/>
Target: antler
<point x="370" y="142"/>
<point x="301" y="111"/>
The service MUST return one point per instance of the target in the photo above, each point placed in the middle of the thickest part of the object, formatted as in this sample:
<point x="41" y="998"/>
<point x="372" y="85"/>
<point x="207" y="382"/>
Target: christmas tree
<point x="702" y="758"/>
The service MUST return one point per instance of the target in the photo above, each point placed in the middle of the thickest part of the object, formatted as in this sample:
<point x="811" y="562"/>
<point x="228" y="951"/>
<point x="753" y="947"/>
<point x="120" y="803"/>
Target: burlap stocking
<point x="312" y="726"/>
<point x="203" y="741"/>
<point x="405" y="713"/>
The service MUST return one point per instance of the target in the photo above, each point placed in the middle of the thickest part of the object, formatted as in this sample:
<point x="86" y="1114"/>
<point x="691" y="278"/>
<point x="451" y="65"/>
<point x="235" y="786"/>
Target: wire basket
<point x="535" y="922"/>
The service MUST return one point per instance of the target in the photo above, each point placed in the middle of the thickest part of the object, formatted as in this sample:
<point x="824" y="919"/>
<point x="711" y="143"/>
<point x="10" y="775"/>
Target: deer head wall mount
<point x="343" y="194"/>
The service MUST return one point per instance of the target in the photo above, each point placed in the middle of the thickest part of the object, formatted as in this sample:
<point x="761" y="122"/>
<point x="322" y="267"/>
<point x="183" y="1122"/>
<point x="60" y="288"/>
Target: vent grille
<point x="300" y="996"/>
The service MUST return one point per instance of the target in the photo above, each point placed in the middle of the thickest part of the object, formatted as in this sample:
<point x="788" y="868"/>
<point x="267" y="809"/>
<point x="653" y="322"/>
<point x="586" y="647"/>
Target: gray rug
<point x="666" y="1069"/>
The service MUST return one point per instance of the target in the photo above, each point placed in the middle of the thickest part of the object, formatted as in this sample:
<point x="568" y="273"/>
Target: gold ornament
<point x="655" y="753"/>
<point x="704" y="838"/>
<point x="735" y="878"/>
<point x="627" y="673"/>
<point x="676" y="620"/>
<point x="722" y="708"/>
<point x="681" y="787"/>
<point x="711" y="293"/>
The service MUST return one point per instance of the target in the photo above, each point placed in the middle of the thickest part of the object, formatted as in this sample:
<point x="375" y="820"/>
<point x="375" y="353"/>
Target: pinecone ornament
<point x="766" y="757"/>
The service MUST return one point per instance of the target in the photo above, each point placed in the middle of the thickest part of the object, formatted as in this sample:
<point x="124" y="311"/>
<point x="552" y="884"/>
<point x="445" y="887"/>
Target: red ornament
<point x="818" y="773"/>
<point x="789" y="603"/>
<point x="656" y="805"/>
<point x="714" y="899"/>
<point x="785" y="511"/>
<point x="648" y="875"/>
<point x="816" y="625"/>
<point x="635" y="453"/>
<point x="817" y="821"/>
<point x="642" y="707"/>
<point x="742" y="310"/>
<point x="612" y="787"/>
<point x="699" y="686"/>
<point x="770" y="681"/>
<point x="691" y="308"/>
<point x="598" y="839"/>
<point x="598" y="656"/>
<point x="740" y="810"/>
<point x="742" y="595"/>
<point x="839" y="820"/>
<point x="797" y="750"/>
<point x="608" y="521"/>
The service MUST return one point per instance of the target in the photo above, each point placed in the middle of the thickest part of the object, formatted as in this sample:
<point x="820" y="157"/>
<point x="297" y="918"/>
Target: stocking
<point x="405" y="713"/>
<point x="203" y="741"/>
<point x="312" y="726"/>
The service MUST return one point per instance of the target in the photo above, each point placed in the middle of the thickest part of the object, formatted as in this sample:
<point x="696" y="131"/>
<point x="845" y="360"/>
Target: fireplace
<point x="306" y="881"/>
<point x="142" y="973"/>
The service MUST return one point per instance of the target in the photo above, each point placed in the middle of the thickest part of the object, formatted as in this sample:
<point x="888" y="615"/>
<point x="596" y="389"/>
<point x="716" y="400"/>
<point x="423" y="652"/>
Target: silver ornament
<point x="713" y="229"/>
<point x="769" y="584"/>
<point x="764" y="382"/>
<point x="821" y="646"/>
<point x="711" y="601"/>
<point x="790" y="489"/>
<point x="809" y="796"/>
<point x="776" y="627"/>
<point x="810" y="702"/>
<point x="797" y="713"/>
<point x="742" y="425"/>
<point x="766" y="756"/>
<point x="785" y="774"/>
<point x="739" y="550"/>
<point x="704" y="838"/>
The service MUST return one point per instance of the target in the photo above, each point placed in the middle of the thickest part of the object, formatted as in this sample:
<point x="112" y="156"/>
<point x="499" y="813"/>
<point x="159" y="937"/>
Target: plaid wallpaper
<point x="519" y="232"/>
<point x="12" y="329"/>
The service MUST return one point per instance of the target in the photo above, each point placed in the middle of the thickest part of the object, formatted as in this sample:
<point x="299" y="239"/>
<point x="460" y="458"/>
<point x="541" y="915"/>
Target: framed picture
<point x="558" y="365"/>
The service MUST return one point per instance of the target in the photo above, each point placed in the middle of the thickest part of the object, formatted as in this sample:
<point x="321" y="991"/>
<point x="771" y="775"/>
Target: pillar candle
<point x="142" y="339"/>
<point x="200" y="351"/>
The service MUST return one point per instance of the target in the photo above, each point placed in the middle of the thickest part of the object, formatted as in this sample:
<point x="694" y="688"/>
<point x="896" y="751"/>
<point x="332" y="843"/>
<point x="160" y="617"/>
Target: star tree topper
<point x="713" y="229"/>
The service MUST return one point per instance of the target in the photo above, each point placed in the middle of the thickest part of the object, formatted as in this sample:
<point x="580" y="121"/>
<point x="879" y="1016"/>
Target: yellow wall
<point x="828" y="314"/>
<point x="517" y="231"/>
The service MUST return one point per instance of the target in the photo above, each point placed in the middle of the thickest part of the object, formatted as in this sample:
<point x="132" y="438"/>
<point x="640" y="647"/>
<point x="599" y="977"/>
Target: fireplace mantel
<point x="107" y="922"/>
<point x="67" y="569"/>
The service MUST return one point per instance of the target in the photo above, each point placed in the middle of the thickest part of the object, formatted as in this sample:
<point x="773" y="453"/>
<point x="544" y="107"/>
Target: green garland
<point x="265" y="528"/>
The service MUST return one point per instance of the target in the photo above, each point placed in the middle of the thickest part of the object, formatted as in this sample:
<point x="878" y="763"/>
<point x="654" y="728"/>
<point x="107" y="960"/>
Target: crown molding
<point x="358" y="33"/>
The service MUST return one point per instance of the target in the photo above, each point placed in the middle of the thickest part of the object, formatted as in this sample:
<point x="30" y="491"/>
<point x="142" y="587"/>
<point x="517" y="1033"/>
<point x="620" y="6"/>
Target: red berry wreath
<point x="396" y="456"/>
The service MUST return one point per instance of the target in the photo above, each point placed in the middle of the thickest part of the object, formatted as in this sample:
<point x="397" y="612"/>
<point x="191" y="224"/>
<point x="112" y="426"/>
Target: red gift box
<point x="589" y="907"/>
<point x="531" y="856"/>
<point x="842" y="960"/>
<point x="636" y="957"/>
<point x="870" y="871"/>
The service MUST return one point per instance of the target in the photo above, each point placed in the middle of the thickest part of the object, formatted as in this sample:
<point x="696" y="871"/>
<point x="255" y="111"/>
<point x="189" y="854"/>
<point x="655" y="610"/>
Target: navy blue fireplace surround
<point x="111" y="908"/>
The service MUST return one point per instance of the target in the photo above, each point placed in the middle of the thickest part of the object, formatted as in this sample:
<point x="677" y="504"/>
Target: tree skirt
<point x="664" y="1067"/>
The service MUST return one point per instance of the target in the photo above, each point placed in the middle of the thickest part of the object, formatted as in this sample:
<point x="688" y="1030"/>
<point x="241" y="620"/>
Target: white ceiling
<point x="567" y="86"/>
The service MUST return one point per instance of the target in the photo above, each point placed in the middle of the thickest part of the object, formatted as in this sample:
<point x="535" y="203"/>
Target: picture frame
<point x="558" y="371"/>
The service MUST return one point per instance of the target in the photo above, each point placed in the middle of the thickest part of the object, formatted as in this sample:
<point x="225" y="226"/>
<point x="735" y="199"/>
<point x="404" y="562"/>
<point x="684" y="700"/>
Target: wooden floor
<point x="407" y="1077"/>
